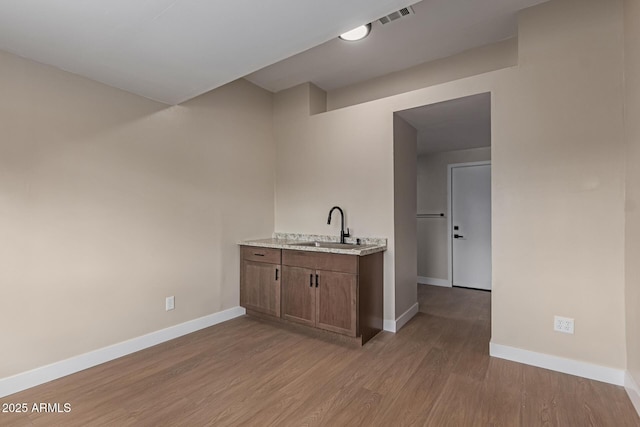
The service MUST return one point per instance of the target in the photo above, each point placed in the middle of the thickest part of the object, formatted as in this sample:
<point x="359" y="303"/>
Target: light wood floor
<point x="436" y="371"/>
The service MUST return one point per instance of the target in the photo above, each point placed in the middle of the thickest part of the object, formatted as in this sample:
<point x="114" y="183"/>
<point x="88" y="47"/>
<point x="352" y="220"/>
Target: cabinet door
<point x="299" y="295"/>
<point x="260" y="290"/>
<point x="336" y="302"/>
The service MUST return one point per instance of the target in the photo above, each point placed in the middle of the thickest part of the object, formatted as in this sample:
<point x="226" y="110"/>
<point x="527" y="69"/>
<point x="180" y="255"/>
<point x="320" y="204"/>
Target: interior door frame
<point x="450" y="168"/>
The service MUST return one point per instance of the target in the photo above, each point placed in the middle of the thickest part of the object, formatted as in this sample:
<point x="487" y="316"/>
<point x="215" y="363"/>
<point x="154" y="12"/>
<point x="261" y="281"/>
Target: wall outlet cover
<point x="563" y="324"/>
<point x="170" y="303"/>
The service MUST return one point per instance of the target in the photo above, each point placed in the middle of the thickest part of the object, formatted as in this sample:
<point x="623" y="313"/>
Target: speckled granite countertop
<point x="293" y="241"/>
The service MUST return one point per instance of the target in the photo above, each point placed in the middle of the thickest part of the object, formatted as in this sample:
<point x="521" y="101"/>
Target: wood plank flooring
<point x="435" y="372"/>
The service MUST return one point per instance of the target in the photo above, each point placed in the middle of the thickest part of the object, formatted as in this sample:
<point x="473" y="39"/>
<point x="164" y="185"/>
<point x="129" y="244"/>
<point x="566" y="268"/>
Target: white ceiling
<point x="173" y="50"/>
<point x="458" y="124"/>
<point x="439" y="28"/>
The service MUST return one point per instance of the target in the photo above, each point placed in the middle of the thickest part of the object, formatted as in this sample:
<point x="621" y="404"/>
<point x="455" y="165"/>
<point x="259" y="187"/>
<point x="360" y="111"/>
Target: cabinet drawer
<point x="321" y="261"/>
<point x="253" y="253"/>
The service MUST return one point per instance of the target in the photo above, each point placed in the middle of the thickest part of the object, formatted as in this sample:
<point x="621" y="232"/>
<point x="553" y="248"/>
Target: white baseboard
<point x="406" y="316"/>
<point x="559" y="364"/>
<point x="435" y="282"/>
<point x="633" y="390"/>
<point x="395" y="325"/>
<point x="37" y="376"/>
<point x="389" y="326"/>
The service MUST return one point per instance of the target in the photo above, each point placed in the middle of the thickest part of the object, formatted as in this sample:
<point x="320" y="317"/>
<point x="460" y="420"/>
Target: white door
<point x="471" y="226"/>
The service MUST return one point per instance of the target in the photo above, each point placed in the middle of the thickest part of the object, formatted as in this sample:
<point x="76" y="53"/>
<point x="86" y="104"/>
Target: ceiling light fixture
<point x="357" y="33"/>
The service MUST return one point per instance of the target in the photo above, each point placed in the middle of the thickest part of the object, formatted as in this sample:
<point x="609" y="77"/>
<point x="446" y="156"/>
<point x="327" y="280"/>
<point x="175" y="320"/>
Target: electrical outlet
<point x="563" y="324"/>
<point x="170" y="303"/>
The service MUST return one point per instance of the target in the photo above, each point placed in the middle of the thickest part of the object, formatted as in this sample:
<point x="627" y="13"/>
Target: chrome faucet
<point x="342" y="233"/>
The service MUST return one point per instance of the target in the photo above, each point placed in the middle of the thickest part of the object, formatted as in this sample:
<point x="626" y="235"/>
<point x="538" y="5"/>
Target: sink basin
<point x="330" y="245"/>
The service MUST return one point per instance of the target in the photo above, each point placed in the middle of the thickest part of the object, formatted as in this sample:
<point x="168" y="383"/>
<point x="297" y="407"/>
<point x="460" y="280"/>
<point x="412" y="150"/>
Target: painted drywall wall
<point x="317" y="100"/>
<point x="558" y="179"/>
<point x="331" y="159"/>
<point x="110" y="202"/>
<point x="632" y="211"/>
<point x="405" y="146"/>
<point x="432" y="196"/>
<point x="469" y="63"/>
<point x="558" y="185"/>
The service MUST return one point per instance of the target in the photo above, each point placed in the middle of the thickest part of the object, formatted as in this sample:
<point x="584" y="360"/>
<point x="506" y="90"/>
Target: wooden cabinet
<point x="336" y="298"/>
<point x="260" y="275"/>
<point x="299" y="295"/>
<point x="334" y="292"/>
<point x="324" y="299"/>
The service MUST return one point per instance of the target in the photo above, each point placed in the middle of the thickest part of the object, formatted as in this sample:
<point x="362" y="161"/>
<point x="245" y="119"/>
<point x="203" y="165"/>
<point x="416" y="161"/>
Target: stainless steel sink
<point x="330" y="245"/>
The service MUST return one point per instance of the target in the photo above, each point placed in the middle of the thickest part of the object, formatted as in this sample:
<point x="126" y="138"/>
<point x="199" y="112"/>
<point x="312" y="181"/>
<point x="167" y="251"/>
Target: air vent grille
<point x="405" y="11"/>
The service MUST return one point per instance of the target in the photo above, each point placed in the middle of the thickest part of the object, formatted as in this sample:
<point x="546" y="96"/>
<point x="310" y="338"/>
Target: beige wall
<point x="558" y="179"/>
<point x="110" y="202"/>
<point x="405" y="139"/>
<point x="469" y="63"/>
<point x="332" y="159"/>
<point x="558" y="185"/>
<point x="433" y="261"/>
<point x="632" y="247"/>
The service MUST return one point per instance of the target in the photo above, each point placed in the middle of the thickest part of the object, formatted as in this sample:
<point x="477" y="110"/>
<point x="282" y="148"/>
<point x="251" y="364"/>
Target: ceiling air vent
<point x="405" y="11"/>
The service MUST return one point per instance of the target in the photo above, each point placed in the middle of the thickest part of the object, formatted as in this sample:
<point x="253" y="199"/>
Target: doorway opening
<point x="453" y="191"/>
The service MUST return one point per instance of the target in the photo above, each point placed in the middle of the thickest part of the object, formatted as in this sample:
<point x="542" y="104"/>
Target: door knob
<point x="457" y="236"/>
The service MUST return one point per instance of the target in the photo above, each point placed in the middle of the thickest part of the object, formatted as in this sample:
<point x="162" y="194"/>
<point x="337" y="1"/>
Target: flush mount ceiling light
<point x="357" y="33"/>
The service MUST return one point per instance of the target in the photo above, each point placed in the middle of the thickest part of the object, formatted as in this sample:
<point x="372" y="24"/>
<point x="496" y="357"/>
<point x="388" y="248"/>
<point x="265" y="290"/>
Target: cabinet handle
<point x="259" y="254"/>
<point x="276" y="274"/>
<point x="311" y="280"/>
<point x="316" y="280"/>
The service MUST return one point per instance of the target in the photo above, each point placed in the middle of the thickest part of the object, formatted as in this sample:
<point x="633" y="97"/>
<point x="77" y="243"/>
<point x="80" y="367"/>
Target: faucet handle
<point x="346" y="233"/>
